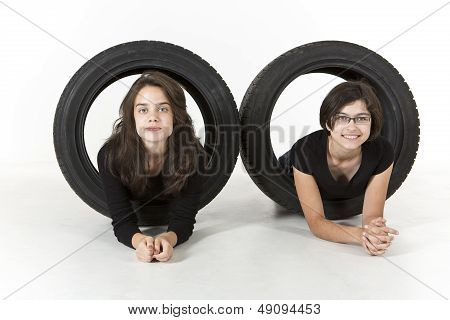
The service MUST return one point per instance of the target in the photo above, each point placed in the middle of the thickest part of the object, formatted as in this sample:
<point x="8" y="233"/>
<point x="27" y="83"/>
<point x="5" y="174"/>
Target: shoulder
<point x="381" y="146"/>
<point x="102" y="154"/>
<point x="103" y="159"/>
<point x="315" y="136"/>
<point x="311" y="139"/>
<point x="381" y="154"/>
<point x="201" y="168"/>
<point x="385" y="144"/>
<point x="195" y="182"/>
<point x="306" y="152"/>
<point x="309" y="143"/>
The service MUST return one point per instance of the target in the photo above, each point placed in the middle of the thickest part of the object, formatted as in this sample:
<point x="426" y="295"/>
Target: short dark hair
<point x="348" y="92"/>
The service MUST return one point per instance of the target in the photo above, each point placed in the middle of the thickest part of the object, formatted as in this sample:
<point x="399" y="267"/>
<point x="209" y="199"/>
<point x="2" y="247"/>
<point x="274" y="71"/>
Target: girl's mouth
<point x="351" y="136"/>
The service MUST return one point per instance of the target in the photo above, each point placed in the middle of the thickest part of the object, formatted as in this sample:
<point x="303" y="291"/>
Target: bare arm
<point x="375" y="195"/>
<point x="311" y="203"/>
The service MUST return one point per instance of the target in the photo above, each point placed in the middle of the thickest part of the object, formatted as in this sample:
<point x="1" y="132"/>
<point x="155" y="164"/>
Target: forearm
<point x="182" y="226"/>
<point x="170" y="236"/>
<point x="368" y="217"/>
<point x="330" y="231"/>
<point x="125" y="232"/>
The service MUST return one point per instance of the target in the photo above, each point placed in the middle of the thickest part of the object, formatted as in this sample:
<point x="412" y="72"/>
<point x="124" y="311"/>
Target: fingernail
<point x="366" y="226"/>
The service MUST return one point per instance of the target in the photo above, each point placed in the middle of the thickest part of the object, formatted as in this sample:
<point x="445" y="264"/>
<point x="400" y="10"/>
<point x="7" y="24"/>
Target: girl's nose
<point x="153" y="115"/>
<point x="352" y="123"/>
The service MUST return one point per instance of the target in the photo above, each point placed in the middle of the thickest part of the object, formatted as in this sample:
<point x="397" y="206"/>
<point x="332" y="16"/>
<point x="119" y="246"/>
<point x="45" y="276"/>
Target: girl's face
<point x="351" y="135"/>
<point x="153" y="115"/>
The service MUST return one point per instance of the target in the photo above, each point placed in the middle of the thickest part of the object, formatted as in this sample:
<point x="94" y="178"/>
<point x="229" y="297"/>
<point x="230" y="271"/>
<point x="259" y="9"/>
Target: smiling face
<point x="153" y="116"/>
<point x="351" y="136"/>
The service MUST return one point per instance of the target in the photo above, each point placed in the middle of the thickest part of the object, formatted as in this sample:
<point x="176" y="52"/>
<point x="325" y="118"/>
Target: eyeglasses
<point x="344" y="120"/>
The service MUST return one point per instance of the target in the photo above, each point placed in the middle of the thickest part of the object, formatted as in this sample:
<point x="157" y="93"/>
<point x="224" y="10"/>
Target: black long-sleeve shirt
<point x="182" y="208"/>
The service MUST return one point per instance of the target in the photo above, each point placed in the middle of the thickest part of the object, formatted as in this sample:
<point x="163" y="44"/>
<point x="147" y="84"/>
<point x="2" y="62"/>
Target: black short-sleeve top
<point x="309" y="155"/>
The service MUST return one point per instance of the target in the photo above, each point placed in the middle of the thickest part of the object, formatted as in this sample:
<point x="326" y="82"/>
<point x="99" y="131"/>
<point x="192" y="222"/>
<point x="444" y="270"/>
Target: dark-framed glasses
<point x="344" y="120"/>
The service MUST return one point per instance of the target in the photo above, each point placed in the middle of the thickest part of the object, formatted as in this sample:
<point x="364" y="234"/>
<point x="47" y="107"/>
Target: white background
<point x="237" y="38"/>
<point x="44" y="43"/>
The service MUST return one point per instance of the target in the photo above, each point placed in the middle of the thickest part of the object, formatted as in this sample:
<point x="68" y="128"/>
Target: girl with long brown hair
<point x="152" y="156"/>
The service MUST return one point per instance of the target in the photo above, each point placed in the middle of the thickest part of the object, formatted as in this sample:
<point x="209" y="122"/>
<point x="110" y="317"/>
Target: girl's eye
<point x="142" y="110"/>
<point x="164" y="109"/>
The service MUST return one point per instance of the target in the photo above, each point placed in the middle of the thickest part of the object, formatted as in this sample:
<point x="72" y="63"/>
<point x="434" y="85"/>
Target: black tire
<point x="203" y="83"/>
<point x="350" y="62"/>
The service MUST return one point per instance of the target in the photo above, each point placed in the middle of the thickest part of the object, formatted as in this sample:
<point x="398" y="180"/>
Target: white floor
<point x="244" y="247"/>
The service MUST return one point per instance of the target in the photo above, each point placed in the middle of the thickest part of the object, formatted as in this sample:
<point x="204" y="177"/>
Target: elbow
<point x="315" y="226"/>
<point x="182" y="227"/>
<point x="316" y="233"/>
<point x="120" y="238"/>
<point x="125" y="236"/>
<point x="184" y="236"/>
<point x="189" y="234"/>
<point x="125" y="242"/>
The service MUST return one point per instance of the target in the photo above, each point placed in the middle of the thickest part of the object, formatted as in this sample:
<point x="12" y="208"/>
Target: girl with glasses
<point x="347" y="158"/>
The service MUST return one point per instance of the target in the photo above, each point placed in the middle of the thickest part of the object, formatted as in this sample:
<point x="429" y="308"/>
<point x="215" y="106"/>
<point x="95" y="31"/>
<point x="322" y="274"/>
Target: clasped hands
<point x="376" y="237"/>
<point x="150" y="248"/>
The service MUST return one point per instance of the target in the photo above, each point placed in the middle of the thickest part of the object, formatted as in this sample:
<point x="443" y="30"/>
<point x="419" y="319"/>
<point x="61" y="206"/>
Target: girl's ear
<point x="328" y="128"/>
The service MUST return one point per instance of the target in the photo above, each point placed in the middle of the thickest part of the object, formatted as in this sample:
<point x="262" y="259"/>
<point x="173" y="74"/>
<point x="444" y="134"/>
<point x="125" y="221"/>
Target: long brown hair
<point x="125" y="153"/>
